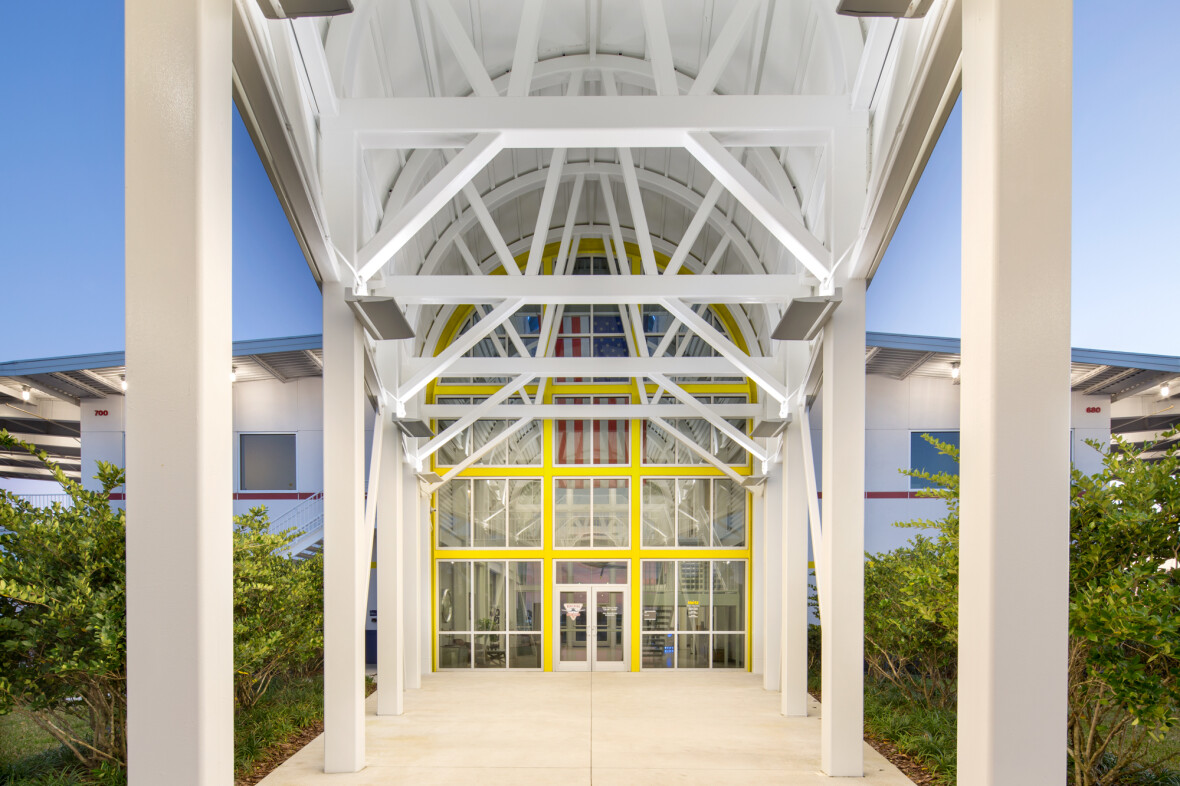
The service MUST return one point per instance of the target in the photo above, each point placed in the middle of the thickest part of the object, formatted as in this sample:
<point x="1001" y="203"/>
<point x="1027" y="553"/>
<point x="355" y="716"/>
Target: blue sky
<point x="61" y="196"/>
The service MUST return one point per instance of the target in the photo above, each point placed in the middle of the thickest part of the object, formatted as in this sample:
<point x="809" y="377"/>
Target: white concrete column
<point x="426" y="606"/>
<point x="1013" y="580"/>
<point x="794" y="553"/>
<point x="758" y="610"/>
<point x="179" y="400"/>
<point x="390" y="548"/>
<point x="344" y="442"/>
<point x="772" y="548"/>
<point x="411" y="566"/>
<point x="842" y="732"/>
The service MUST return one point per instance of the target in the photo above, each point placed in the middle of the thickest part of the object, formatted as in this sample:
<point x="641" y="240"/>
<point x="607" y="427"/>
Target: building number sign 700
<point x="102" y="413"/>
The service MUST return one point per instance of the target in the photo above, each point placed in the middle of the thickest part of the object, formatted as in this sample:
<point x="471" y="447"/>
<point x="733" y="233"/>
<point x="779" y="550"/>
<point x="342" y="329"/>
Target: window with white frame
<point x="592" y="512"/>
<point x="267" y="462"/>
<point x="693" y="614"/>
<point x="591" y="442"/>
<point x="693" y="513"/>
<point x="490" y="513"/>
<point x="489" y="614"/>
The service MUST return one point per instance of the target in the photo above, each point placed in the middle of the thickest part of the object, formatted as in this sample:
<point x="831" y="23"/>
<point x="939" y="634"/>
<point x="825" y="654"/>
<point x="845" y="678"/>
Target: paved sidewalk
<point x="572" y="729"/>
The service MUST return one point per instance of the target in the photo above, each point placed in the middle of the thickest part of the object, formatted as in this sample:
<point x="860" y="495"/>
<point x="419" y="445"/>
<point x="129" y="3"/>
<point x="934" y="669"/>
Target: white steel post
<point x="344" y="442"/>
<point x="1013" y="579"/>
<point x="772" y="585"/>
<point x="390" y="547"/>
<point x="794" y="554"/>
<point x="179" y="494"/>
<point x="758" y="612"/>
<point x="842" y="729"/>
<point x="410" y="564"/>
<point x="425" y="599"/>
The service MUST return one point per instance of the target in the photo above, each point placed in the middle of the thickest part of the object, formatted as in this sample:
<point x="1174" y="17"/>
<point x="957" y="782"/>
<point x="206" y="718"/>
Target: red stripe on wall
<point x="252" y="495"/>
<point x="887" y="495"/>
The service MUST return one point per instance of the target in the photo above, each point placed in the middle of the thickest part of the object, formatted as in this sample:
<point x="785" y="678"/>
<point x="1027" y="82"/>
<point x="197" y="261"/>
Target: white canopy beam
<point x="699" y="219"/>
<point x="659" y="47"/>
<point x="520" y="79"/>
<point x="695" y="448"/>
<point x="598" y="290"/>
<point x="755" y="197"/>
<point x="706" y="411"/>
<point x="394" y="234"/>
<point x="469" y="60"/>
<point x="605" y="122"/>
<point x="726" y="348"/>
<point x="549" y="195"/>
<point x="473" y="414"/>
<point x="723" y="48"/>
<point x="479" y="453"/>
<point x="811" y="490"/>
<point x="513" y="335"/>
<point x="494" y="235"/>
<point x="633" y="367"/>
<point x="437" y="365"/>
<point x="584" y="411"/>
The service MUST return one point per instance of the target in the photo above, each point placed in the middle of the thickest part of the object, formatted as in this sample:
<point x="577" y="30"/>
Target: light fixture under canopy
<point x="805" y="316"/>
<point x="381" y="316"/>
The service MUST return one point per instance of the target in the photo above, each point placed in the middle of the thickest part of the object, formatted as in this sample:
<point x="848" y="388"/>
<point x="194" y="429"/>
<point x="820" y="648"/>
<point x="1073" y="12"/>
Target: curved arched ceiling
<point x="407" y="49"/>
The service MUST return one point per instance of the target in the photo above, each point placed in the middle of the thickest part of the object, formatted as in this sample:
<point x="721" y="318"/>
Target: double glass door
<point x="592" y="629"/>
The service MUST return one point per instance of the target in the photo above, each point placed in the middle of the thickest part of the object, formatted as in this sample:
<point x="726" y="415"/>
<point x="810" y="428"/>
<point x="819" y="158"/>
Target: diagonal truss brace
<point x="695" y="448"/>
<point x="473" y="415"/>
<point x="708" y="414"/>
<point x="726" y="348"/>
<point x="484" y="449"/>
<point x="458" y="348"/>
<point x="800" y="429"/>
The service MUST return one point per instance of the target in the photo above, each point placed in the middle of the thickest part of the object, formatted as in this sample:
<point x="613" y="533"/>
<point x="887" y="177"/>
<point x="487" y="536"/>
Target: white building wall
<point x="101" y="423"/>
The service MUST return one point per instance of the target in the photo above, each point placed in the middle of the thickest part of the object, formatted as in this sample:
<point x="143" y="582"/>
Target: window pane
<point x="454" y="514"/>
<point x="699" y="431"/>
<point x="573" y="440"/>
<point x="924" y="456"/>
<point x="693" y="651"/>
<point x="729" y="595"/>
<point x="659" y="521"/>
<point x="525" y="446"/>
<point x="454" y="651"/>
<point x="729" y="651"/>
<point x="693" y="600"/>
<point x="524" y="652"/>
<point x="728" y="451"/>
<point x="491" y="513"/>
<point x="659" y="595"/>
<point x="489" y="583"/>
<point x="484" y="431"/>
<point x="454" y="451"/>
<point x="453" y="596"/>
<point x="693" y="519"/>
<point x="612" y="518"/>
<point x="658" y="650"/>
<point x="577" y="572"/>
<point x="526" y="514"/>
<point x="525" y="587"/>
<point x="659" y="447"/>
<point x="610" y="441"/>
<point x="267" y="462"/>
<point x="490" y="651"/>
<point x="571" y="512"/>
<point x="729" y="514"/>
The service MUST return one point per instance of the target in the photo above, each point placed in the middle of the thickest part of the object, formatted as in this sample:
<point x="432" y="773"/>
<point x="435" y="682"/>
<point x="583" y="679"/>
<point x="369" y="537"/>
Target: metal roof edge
<point x="1109" y="357"/>
<point x="256" y="346"/>
<point x="949" y="346"/>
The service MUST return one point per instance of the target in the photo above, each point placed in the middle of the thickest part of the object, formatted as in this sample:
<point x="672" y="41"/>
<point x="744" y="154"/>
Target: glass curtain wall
<point x="489" y="614"/>
<point x="693" y="614"/>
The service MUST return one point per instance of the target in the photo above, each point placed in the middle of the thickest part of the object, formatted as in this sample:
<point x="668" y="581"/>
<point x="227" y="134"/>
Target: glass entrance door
<point x="592" y="630"/>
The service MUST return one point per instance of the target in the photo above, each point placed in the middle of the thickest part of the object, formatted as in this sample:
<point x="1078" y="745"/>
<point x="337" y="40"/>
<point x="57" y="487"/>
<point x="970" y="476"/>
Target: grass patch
<point x="289" y="706"/>
<point x="925" y="734"/>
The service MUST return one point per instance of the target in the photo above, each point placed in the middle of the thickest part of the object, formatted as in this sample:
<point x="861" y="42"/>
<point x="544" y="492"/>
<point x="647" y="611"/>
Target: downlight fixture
<point x="414" y="428"/>
<point x="233" y="374"/>
<point x="955" y="372"/>
<point x="24" y="392"/>
<point x="805" y="316"/>
<point x="1165" y="390"/>
<point x="380" y="316"/>
<point x="123" y="382"/>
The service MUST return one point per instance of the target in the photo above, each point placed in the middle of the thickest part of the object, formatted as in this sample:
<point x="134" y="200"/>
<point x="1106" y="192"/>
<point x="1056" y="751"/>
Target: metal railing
<point x="45" y="500"/>
<point x="304" y="517"/>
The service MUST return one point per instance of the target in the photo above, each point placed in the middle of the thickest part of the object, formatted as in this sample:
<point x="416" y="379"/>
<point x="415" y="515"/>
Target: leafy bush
<point x="63" y="614"/>
<point x="278" y="607"/>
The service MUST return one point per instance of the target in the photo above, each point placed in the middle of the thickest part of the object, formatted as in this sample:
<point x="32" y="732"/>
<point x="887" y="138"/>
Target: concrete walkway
<point x="570" y="729"/>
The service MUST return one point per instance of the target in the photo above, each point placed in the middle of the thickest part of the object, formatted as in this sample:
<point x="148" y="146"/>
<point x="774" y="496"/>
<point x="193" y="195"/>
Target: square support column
<point x="758" y="579"/>
<point x="772" y="551"/>
<point x="390" y="548"/>
<point x="842" y="729"/>
<point x="794" y="553"/>
<point x="411" y="564"/>
<point x="345" y="536"/>
<point x="1014" y="542"/>
<point x="179" y="439"/>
